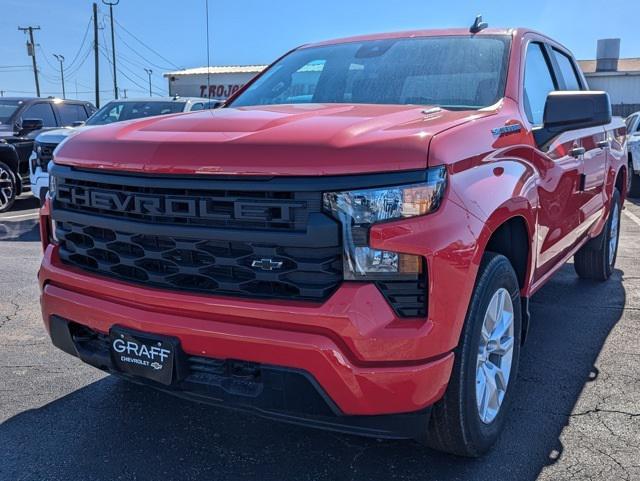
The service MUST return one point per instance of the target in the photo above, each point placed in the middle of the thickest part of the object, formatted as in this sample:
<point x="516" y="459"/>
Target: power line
<point x="105" y="52"/>
<point x="143" y="88"/>
<point x="82" y="43"/>
<point x="142" y="56"/>
<point x="148" y="47"/>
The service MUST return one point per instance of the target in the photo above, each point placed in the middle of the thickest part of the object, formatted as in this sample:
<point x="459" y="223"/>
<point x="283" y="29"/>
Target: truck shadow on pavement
<point x="113" y="430"/>
<point x="19" y="231"/>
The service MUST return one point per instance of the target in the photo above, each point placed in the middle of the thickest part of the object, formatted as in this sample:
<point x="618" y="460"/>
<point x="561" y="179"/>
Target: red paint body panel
<point x="367" y="359"/>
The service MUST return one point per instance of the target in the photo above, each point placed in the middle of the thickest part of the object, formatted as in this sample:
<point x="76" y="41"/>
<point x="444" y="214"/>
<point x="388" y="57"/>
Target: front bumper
<point x="366" y="360"/>
<point x="275" y="392"/>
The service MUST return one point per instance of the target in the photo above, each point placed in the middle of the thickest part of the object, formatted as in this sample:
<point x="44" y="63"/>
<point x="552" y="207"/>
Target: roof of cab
<point x="419" y="33"/>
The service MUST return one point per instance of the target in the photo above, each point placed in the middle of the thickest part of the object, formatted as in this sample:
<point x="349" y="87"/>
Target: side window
<point x="567" y="71"/>
<point x="538" y="82"/>
<point x="42" y="111"/>
<point x="70" y="113"/>
<point x="197" y="106"/>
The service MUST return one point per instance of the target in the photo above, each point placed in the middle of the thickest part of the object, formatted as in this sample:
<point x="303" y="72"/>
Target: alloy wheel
<point x="495" y="355"/>
<point x="6" y="187"/>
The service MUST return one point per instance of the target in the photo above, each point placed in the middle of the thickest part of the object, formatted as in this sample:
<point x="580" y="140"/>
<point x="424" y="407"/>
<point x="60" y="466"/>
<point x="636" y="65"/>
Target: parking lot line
<point x="632" y="216"/>
<point x="21" y="216"/>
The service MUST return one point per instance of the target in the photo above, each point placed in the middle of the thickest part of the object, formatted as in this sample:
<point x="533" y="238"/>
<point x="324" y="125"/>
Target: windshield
<point x="119" y="111"/>
<point x="451" y="72"/>
<point x="7" y="109"/>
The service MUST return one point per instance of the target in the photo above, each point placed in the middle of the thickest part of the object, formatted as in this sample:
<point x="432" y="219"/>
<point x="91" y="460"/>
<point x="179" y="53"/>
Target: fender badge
<point x="506" y="130"/>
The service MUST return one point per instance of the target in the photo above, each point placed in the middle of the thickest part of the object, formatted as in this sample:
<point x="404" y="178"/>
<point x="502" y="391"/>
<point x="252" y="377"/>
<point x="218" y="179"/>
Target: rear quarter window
<point x="567" y="70"/>
<point x="70" y="113"/>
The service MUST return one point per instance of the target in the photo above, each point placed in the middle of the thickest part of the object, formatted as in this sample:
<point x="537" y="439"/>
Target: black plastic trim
<point x="241" y="182"/>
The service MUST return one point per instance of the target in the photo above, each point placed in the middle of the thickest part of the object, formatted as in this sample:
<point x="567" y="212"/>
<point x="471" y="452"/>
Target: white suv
<point x="633" y="130"/>
<point x="114" y="111"/>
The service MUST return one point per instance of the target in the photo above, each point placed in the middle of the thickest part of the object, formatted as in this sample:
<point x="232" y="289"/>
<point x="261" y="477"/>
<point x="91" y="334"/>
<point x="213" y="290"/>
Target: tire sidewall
<point x="499" y="274"/>
<point x="615" y="199"/>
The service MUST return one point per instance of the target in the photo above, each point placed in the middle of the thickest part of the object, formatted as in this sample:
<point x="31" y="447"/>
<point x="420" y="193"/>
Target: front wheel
<point x="8" y="187"/>
<point x="469" y="418"/>
<point x="597" y="258"/>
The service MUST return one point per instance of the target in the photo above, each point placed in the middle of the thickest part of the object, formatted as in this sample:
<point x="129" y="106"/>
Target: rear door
<point x="595" y="143"/>
<point x="560" y="167"/>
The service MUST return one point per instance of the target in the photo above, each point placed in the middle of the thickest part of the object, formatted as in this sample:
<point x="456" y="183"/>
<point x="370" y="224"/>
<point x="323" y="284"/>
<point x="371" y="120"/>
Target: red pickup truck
<point x="351" y="242"/>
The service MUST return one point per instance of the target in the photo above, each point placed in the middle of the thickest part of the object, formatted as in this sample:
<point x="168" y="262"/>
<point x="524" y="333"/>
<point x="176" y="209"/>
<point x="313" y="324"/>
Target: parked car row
<point x="31" y="129"/>
<point x="21" y="120"/>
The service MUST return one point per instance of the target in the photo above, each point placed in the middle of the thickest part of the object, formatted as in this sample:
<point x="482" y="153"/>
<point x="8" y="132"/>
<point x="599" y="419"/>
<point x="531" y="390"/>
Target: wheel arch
<point x="510" y="231"/>
<point x="9" y="156"/>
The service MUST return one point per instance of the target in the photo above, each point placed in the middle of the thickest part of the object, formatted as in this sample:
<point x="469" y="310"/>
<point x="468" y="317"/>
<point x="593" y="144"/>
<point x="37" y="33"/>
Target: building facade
<point x="620" y="77"/>
<point x="214" y="82"/>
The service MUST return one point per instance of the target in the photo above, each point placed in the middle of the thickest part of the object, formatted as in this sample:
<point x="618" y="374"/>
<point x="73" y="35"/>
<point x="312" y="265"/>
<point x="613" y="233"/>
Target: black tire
<point x="593" y="261"/>
<point x="634" y="181"/>
<point x="455" y="426"/>
<point x="8" y="187"/>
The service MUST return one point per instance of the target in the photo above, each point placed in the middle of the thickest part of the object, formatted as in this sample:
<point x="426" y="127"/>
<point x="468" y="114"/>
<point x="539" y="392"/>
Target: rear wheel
<point x="469" y="418"/>
<point x="633" y="187"/>
<point x="8" y="187"/>
<point x="597" y="258"/>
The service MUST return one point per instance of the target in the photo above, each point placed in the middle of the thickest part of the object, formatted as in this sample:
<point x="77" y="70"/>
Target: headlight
<point x="357" y="210"/>
<point x="53" y="185"/>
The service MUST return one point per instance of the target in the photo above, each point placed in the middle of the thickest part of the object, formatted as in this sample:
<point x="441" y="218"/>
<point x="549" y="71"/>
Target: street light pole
<point x="113" y="45"/>
<point x="149" y="72"/>
<point x="60" y="58"/>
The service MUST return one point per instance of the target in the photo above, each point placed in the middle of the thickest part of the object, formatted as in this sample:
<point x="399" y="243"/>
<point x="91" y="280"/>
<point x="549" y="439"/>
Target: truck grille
<point x="210" y="266"/>
<point x="214" y="236"/>
<point x="46" y="152"/>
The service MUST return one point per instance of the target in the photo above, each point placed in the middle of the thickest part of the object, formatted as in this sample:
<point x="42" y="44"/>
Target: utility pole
<point x="95" y="53"/>
<point x="113" y="44"/>
<point x="60" y="58"/>
<point x="149" y="72"/>
<point x="124" y="96"/>
<point x="31" y="51"/>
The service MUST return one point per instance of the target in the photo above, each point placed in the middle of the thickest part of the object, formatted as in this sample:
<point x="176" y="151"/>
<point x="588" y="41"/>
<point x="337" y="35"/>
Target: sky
<point x="164" y="35"/>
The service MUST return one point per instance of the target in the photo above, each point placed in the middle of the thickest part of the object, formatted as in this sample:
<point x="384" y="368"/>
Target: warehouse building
<point x="217" y="83"/>
<point x="618" y="76"/>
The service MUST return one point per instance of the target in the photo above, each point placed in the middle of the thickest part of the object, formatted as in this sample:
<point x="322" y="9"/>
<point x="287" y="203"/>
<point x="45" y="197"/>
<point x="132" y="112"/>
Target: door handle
<point x="577" y="152"/>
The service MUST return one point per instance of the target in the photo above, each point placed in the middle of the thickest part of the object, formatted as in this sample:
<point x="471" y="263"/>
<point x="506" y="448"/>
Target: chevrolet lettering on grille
<point x="179" y="206"/>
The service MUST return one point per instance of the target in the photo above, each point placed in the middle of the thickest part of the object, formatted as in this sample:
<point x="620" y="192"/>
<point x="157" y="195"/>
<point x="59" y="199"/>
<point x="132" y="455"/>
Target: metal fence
<point x="624" y="110"/>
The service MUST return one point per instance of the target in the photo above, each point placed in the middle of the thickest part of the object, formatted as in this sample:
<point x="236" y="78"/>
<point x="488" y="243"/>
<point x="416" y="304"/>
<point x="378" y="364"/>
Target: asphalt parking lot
<point x="576" y="413"/>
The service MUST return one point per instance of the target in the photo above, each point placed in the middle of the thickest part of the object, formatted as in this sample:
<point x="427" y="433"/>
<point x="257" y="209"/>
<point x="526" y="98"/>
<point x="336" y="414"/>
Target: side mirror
<point x="29" y="125"/>
<point x="569" y="110"/>
<point x="77" y="123"/>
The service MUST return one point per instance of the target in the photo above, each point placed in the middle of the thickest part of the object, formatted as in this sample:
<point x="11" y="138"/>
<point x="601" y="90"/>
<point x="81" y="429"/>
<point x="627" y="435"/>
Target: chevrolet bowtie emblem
<point x="266" y="264"/>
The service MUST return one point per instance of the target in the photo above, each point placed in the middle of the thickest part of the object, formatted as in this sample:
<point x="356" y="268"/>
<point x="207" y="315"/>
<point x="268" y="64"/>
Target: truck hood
<point x="302" y="139"/>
